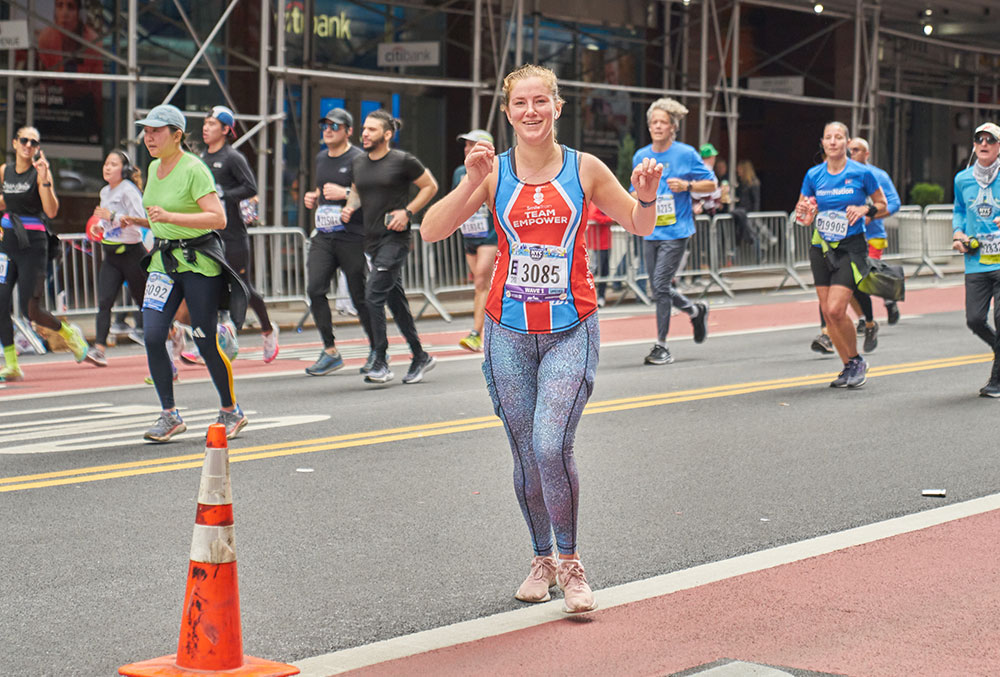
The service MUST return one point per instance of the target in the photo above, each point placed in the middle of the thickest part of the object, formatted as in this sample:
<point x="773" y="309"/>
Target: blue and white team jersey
<point x="674" y="218"/>
<point x="975" y="209"/>
<point x="876" y="228"/>
<point x="834" y="193"/>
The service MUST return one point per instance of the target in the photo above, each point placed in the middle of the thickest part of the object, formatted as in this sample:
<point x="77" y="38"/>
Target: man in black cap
<point x="334" y="244"/>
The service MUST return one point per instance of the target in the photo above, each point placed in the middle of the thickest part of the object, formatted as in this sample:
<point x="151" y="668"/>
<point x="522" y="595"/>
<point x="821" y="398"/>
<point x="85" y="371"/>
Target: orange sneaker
<point x="542" y="577"/>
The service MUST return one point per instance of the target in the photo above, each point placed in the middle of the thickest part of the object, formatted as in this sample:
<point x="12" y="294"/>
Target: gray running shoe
<point x="379" y="373"/>
<point x="861" y="326"/>
<point x="235" y="421"/>
<point x="841" y="380"/>
<point x="871" y="337"/>
<point x="168" y="425"/>
<point x="137" y="336"/>
<point x="420" y="365"/>
<point x="857" y="374"/>
<point x="96" y="356"/>
<point x="822" y="344"/>
<point x="659" y="355"/>
<point x="326" y="364"/>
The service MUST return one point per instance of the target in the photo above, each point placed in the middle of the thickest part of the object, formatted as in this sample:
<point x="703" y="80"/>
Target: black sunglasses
<point x="988" y="139"/>
<point x="335" y="126"/>
<point x="25" y="141"/>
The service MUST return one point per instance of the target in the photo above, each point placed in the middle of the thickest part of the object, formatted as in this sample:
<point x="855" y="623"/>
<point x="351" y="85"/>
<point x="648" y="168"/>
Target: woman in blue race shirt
<point x="837" y="196"/>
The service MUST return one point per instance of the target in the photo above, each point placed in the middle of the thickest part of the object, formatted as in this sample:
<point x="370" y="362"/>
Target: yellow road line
<point x="150" y="466"/>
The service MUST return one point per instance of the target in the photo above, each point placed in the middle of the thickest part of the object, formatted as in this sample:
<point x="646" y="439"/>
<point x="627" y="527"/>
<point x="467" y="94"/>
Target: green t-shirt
<point x="189" y="181"/>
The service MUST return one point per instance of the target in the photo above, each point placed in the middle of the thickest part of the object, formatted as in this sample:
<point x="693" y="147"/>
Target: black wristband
<point x="872" y="211"/>
<point x="645" y="203"/>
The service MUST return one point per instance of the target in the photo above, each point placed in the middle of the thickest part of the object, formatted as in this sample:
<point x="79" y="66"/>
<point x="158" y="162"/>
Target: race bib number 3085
<point x="158" y="288"/>
<point x="538" y="273"/>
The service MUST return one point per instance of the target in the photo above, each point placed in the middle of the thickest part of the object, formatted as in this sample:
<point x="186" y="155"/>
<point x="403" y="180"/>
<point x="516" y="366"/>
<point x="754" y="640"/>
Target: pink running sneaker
<point x="542" y="577"/>
<point x="577" y="595"/>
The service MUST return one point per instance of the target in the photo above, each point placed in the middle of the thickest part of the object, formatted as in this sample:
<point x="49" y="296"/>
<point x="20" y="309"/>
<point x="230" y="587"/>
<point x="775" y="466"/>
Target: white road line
<point x="468" y="631"/>
<point x="49" y="410"/>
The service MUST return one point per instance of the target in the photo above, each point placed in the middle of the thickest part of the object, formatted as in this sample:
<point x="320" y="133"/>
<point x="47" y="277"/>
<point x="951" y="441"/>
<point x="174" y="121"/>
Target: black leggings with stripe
<point x="202" y="295"/>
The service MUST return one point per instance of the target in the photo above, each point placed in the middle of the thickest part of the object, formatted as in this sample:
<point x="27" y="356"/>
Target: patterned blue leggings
<point x="539" y="385"/>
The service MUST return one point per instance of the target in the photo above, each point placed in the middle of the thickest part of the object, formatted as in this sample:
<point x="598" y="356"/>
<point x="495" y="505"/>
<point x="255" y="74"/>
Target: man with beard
<point x="382" y="179"/>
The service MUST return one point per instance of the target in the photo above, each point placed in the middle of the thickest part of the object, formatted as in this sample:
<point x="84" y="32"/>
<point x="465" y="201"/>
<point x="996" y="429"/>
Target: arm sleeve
<point x="244" y="178"/>
<point x="870" y="182"/>
<point x="891" y="196"/>
<point x="699" y="170"/>
<point x="958" y="213"/>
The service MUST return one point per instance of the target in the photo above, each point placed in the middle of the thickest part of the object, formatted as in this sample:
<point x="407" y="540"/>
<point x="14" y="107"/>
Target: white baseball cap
<point x="476" y="135"/>
<point x="990" y="128"/>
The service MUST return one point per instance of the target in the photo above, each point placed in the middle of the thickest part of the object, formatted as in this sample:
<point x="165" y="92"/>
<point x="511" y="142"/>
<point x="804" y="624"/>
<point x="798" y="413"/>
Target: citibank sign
<point x="409" y="54"/>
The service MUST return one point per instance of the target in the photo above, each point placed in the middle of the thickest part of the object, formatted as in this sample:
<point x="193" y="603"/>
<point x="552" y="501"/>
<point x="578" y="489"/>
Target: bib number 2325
<point x="158" y="288"/>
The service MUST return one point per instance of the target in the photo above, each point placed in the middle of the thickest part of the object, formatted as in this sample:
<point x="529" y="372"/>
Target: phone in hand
<point x="37" y="156"/>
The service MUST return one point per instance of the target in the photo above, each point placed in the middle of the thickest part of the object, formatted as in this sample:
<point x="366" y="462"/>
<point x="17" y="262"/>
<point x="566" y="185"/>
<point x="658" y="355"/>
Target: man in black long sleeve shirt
<point x="235" y="184"/>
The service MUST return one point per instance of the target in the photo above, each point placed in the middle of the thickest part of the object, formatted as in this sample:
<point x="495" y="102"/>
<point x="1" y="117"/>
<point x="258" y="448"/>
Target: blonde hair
<point x="746" y="173"/>
<point x="27" y="128"/>
<point x="530" y="70"/>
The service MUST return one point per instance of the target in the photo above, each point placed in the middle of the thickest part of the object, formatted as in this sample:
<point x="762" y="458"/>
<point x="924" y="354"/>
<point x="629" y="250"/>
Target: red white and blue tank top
<point x="542" y="282"/>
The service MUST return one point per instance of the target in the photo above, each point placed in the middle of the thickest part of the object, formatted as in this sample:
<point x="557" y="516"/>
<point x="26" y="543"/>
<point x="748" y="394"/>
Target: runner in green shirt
<point x="181" y="204"/>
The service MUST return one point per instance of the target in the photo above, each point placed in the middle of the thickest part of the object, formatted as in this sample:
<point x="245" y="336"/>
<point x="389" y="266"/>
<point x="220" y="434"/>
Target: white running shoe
<point x="271" y="345"/>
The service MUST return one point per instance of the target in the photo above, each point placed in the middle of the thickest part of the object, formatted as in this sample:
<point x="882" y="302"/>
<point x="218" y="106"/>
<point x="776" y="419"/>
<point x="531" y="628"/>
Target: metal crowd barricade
<point x="622" y="267"/>
<point x="445" y="271"/>
<point x="765" y="245"/>
<point x="279" y="263"/>
<point x="904" y="235"/>
<point x="417" y="271"/>
<point x="937" y="236"/>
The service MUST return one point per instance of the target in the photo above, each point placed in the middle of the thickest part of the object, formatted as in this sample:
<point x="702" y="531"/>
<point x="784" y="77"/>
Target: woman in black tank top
<point x="28" y="201"/>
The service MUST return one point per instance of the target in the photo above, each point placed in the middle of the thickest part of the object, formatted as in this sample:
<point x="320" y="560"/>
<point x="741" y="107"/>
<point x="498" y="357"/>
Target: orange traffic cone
<point x="211" y="640"/>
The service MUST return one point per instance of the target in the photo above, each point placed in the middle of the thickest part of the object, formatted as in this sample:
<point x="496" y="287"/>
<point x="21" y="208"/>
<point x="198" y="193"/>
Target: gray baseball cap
<point x="476" y="135"/>
<point x="163" y="115"/>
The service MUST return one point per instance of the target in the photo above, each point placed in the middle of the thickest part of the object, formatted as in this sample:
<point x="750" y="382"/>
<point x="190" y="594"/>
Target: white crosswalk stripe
<point x="103" y="425"/>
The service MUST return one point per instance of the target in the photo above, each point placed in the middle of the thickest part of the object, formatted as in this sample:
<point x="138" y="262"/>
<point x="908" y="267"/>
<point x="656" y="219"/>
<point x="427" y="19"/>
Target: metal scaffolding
<point x="503" y="22"/>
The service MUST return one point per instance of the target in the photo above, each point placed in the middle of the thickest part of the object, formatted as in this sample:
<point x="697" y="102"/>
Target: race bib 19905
<point x="832" y="225"/>
<point x="666" y="212"/>
<point x="158" y="287"/>
<point x="538" y="273"/>
<point x="328" y="219"/>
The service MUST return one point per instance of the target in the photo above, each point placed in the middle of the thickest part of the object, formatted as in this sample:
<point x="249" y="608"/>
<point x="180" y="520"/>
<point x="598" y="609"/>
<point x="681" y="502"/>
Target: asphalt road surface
<point x="365" y="513"/>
